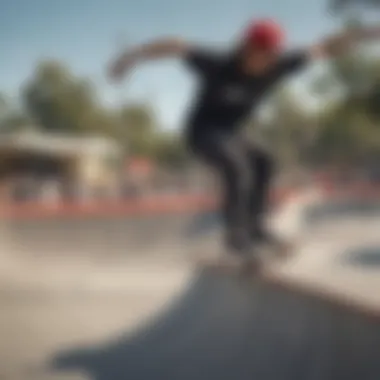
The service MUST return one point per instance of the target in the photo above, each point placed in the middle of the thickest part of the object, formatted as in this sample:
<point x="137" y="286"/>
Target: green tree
<point x="61" y="102"/>
<point x="144" y="136"/>
<point x="171" y="151"/>
<point x="139" y="129"/>
<point x="342" y="7"/>
<point x="288" y="129"/>
<point x="12" y="119"/>
<point x="348" y="126"/>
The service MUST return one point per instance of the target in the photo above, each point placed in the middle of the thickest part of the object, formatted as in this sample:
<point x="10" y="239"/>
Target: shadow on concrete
<point x="203" y="224"/>
<point x="365" y="257"/>
<point x="226" y="328"/>
<point x="340" y="209"/>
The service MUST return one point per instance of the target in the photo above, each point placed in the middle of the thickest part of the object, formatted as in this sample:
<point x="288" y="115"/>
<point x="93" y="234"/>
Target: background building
<point x="33" y="165"/>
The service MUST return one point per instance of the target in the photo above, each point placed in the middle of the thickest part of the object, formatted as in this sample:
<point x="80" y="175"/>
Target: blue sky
<point x="86" y="33"/>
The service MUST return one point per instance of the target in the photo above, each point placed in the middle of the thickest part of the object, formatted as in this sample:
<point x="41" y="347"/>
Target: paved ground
<point x="223" y="328"/>
<point x="220" y="327"/>
<point x="43" y="315"/>
<point x="152" y="317"/>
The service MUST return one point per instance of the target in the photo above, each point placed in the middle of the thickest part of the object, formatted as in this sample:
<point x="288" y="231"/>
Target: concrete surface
<point x="96" y="236"/>
<point x="223" y="328"/>
<point x="120" y="313"/>
<point x="43" y="314"/>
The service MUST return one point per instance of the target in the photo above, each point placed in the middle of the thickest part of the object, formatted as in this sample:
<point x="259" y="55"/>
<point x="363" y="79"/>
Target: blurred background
<point x="94" y="179"/>
<point x="68" y="136"/>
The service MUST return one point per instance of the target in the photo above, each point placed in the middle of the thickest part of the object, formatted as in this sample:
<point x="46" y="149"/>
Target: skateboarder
<point x="231" y="85"/>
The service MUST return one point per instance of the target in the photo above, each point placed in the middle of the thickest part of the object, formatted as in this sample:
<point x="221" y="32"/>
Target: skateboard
<point x="243" y="266"/>
<point x="249" y="265"/>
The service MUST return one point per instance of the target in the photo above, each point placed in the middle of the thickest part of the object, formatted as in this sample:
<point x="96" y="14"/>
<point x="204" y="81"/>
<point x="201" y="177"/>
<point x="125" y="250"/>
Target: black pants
<point x="245" y="172"/>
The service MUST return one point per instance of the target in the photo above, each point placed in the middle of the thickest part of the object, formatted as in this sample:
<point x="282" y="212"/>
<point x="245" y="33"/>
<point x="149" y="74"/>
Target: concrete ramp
<point x="226" y="328"/>
<point x="70" y="317"/>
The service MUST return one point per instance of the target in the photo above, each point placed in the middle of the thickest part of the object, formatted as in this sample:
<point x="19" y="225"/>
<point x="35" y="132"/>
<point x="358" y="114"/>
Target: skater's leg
<point x="263" y="167"/>
<point x="232" y="164"/>
<point x="236" y="186"/>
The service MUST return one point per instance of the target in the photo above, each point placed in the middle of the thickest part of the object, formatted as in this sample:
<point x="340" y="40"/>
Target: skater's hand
<point x="119" y="68"/>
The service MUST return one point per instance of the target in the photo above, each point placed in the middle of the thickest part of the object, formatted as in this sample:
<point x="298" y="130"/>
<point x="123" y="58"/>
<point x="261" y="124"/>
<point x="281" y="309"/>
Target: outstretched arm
<point x="335" y="45"/>
<point x="162" y="48"/>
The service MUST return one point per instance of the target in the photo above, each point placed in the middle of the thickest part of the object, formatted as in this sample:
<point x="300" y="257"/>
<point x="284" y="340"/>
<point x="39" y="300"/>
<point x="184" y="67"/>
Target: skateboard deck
<point x="247" y="265"/>
<point x="221" y="265"/>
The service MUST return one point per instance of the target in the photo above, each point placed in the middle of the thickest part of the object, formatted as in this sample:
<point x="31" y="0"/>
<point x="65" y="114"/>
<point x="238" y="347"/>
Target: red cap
<point x="265" y="34"/>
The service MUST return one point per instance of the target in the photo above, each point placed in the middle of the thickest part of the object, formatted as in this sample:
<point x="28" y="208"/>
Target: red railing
<point x="160" y="204"/>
